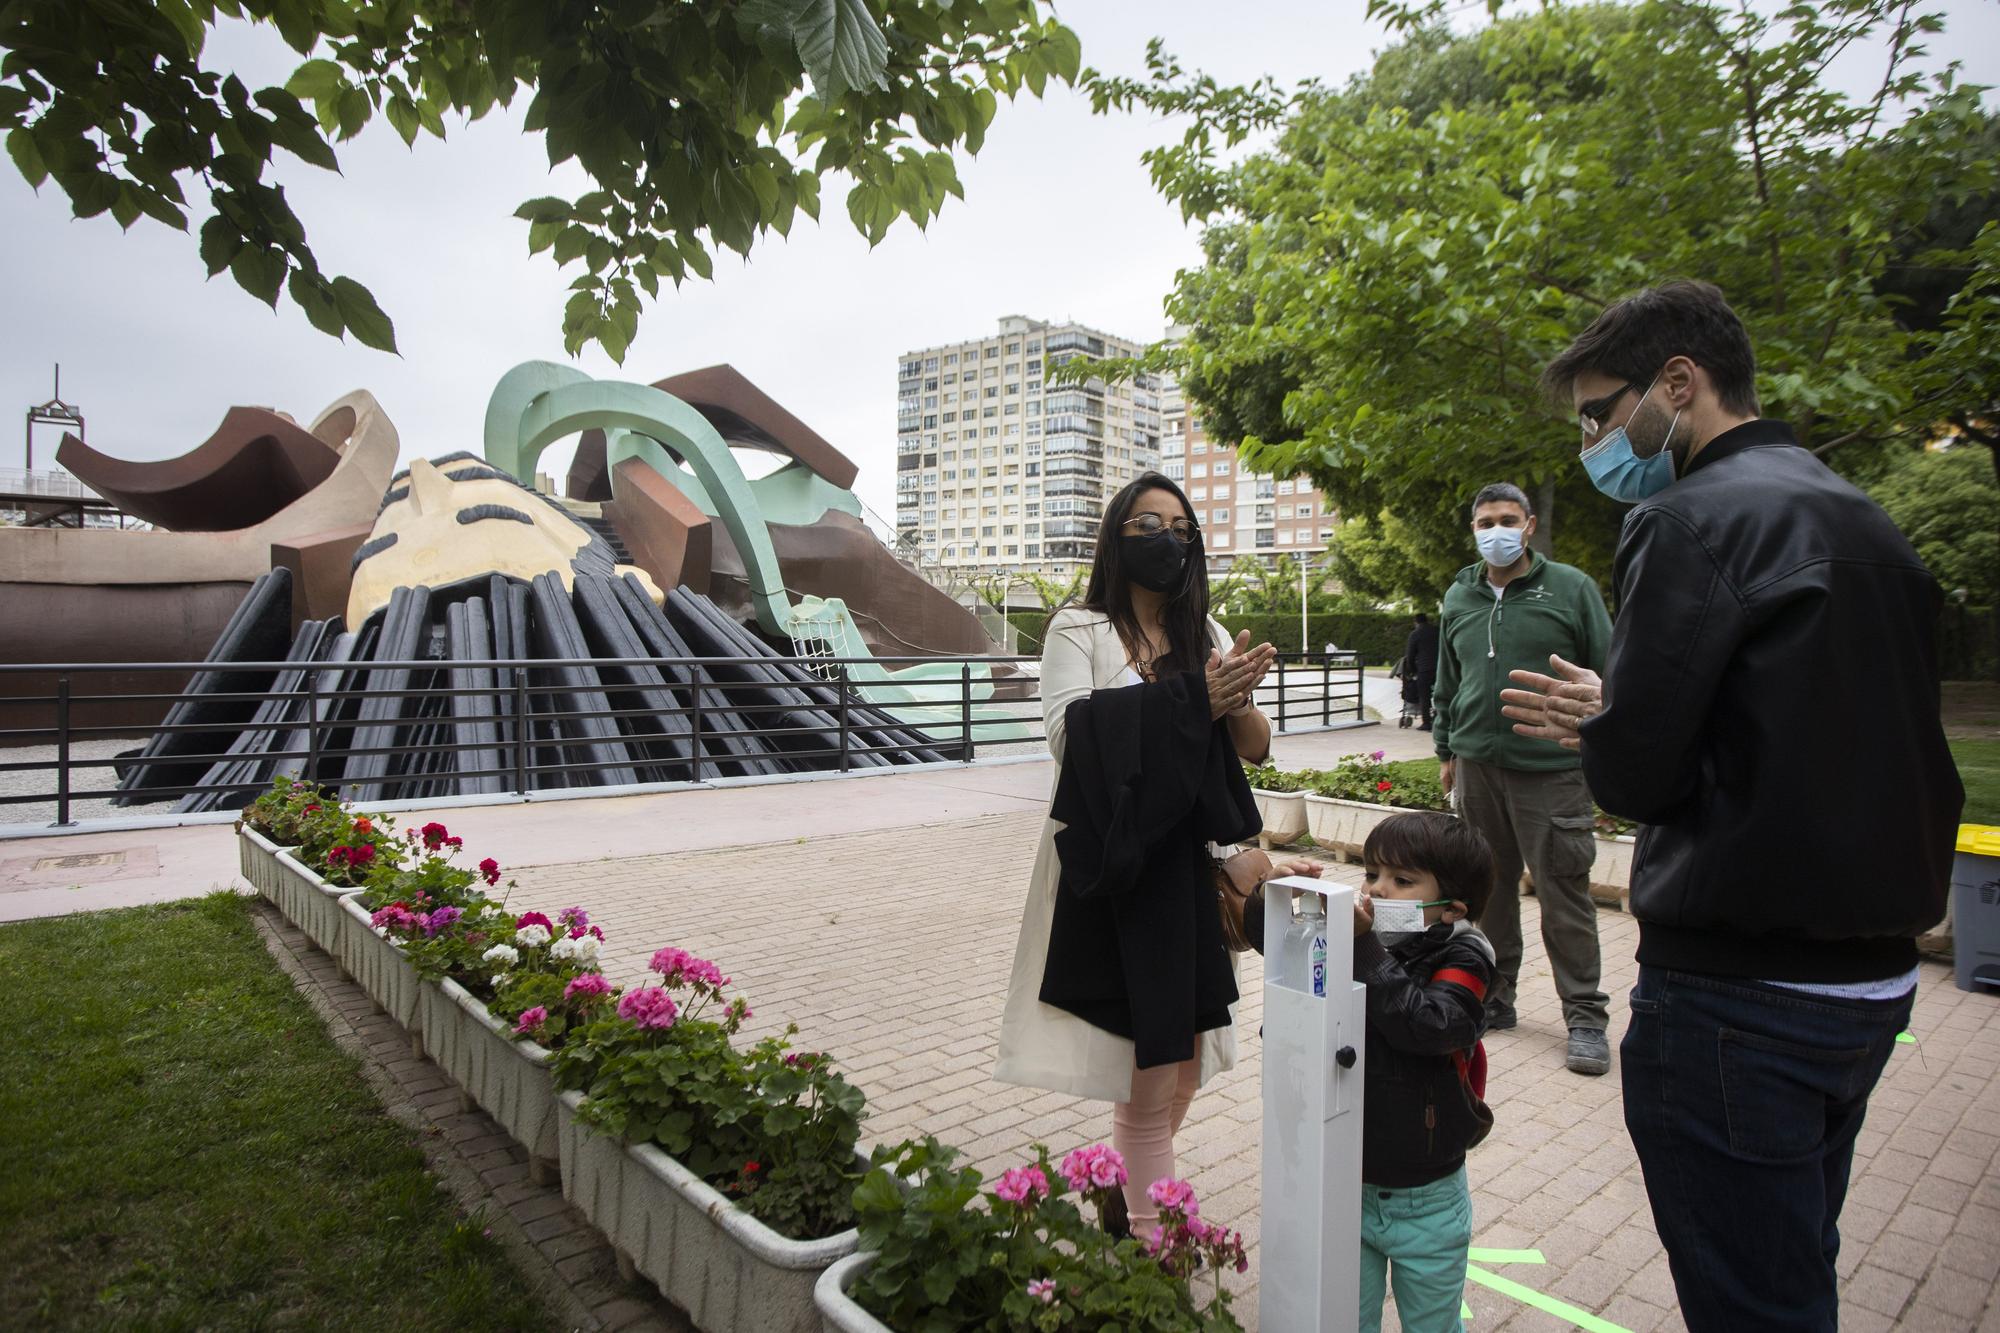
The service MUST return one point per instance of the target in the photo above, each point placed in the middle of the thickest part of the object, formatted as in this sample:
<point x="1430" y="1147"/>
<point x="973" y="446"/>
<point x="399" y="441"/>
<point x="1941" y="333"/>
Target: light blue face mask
<point x="1617" y="472"/>
<point x="1499" y="547"/>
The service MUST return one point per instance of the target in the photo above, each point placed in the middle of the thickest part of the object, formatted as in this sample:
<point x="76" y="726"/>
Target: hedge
<point x="1968" y="647"/>
<point x="1378" y="636"/>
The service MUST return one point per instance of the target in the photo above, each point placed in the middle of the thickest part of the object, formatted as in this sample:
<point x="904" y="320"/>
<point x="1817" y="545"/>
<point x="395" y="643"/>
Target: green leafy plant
<point x="1022" y="1255"/>
<point x="774" y="1128"/>
<point x="280" y="813"/>
<point x="1269" y="777"/>
<point x="1368" y="777"/>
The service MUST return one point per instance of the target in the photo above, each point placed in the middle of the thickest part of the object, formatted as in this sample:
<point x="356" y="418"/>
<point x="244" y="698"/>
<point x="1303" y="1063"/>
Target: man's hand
<point x="1551" y="708"/>
<point x="1447" y="774"/>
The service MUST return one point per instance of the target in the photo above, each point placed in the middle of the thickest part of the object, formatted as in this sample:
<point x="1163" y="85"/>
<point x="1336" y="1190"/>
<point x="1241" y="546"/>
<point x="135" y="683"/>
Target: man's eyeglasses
<point x="1591" y="416"/>
<point x="1151" y="525"/>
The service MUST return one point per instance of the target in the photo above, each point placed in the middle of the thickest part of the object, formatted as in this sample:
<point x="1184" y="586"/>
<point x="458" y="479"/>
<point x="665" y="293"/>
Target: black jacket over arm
<point x="1148" y="779"/>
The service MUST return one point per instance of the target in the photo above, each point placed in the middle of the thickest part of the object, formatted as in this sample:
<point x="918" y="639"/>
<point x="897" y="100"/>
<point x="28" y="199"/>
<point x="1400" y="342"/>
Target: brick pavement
<point x="891" y="949"/>
<point x="569" y="1263"/>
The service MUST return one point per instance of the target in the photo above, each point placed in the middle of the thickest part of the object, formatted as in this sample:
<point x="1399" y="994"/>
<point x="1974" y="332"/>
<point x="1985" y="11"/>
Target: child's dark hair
<point x="1447" y="847"/>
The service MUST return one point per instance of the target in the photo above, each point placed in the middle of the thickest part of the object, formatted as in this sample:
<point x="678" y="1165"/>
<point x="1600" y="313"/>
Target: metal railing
<point x="523" y="730"/>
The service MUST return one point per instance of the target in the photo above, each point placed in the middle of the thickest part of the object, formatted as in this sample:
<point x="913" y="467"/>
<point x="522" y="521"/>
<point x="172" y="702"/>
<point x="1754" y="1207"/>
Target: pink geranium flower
<point x="1043" y="1289"/>
<point x="575" y="918"/>
<point x="681" y="968"/>
<point x="1170" y="1193"/>
<point x="530" y="1020"/>
<point x="527" y="919"/>
<point x="587" y="986"/>
<point x="1022" y="1185"/>
<point x="1094" y="1168"/>
<point x="649" y="1009"/>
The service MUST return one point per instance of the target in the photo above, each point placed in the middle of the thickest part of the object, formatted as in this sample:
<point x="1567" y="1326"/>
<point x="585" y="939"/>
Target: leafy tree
<point x="1052" y="592"/>
<point x="693" y="121"/>
<point x="1945" y="501"/>
<point x="1383" y="286"/>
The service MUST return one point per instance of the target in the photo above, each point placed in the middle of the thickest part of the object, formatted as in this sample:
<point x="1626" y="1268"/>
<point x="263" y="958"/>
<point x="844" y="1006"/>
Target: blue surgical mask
<point x="1615" y="470"/>
<point x="1500" y="547"/>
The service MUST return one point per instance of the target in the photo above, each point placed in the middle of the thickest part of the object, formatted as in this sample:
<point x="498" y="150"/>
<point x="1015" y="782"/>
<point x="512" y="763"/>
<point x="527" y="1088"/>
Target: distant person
<point x="1123" y="988"/>
<point x="1420" y="667"/>
<point x="1427" y="969"/>
<point x="1513" y="607"/>
<point x="1770" y="714"/>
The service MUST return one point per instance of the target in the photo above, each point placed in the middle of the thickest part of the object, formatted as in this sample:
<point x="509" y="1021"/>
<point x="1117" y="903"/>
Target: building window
<point x="1221" y="467"/>
<point x="1198" y="470"/>
<point x="1198" y="493"/>
<point x="1198" y="448"/>
<point x="1218" y="516"/>
<point x="1326" y="534"/>
<point x="1284" y="488"/>
<point x="952" y="359"/>
<point x="1221" y="539"/>
<point x="1222" y="492"/>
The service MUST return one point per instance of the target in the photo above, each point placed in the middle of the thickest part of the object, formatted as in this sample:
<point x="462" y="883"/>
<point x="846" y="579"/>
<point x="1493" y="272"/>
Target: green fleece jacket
<point x="1553" y="608"/>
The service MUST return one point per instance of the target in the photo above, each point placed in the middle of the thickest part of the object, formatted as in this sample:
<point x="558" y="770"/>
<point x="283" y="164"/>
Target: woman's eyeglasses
<point x="1151" y="525"/>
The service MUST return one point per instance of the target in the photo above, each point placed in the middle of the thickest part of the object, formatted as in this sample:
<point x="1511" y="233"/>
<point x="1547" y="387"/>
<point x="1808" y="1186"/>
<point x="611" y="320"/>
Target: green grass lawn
<point x="1979" y="767"/>
<point x="186" y="1147"/>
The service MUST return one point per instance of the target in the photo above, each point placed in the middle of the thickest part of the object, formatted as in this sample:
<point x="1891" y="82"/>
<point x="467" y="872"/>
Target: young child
<point x="1427" y="969"/>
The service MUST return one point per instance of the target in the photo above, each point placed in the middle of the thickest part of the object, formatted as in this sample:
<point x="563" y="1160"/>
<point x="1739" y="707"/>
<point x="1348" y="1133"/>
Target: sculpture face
<point x="438" y="529"/>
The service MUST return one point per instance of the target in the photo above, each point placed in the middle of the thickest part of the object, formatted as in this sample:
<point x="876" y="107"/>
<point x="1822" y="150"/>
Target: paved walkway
<point x="879" y="913"/>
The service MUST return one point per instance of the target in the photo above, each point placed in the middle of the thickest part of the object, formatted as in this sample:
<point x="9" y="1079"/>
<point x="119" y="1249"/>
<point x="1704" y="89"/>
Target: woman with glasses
<point x="1122" y="986"/>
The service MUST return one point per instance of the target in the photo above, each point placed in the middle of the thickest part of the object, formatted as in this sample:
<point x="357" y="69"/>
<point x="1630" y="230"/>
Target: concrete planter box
<point x="1284" y="816"/>
<point x="257" y="855"/>
<point x="730" y="1272"/>
<point x="839" y="1312"/>
<point x="306" y="900"/>
<point x="1342" y="827"/>
<point x="379" y="967"/>
<point x="508" y="1078"/>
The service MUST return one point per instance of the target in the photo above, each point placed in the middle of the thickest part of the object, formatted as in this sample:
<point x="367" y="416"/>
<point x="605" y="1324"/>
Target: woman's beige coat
<point x="1042" y="1046"/>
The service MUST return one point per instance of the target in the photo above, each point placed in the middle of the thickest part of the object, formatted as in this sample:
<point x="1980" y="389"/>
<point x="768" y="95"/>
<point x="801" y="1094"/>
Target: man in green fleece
<point x="1513" y="608"/>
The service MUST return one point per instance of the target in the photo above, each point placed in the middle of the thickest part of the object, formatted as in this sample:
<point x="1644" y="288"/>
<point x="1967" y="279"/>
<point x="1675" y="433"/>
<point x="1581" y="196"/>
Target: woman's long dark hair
<point x="1185" y="614"/>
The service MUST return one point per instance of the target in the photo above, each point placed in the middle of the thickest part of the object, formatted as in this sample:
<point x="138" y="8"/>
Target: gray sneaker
<point x="1589" y="1051"/>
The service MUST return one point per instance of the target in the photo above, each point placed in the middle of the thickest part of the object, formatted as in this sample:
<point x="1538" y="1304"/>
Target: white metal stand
<point x="1314" y="1058"/>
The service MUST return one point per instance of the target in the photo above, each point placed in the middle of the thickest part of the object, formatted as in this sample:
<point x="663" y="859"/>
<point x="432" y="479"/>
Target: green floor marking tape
<point x="1479" y="1256"/>
<point x="1904" y="1036"/>
<point x="1582" y="1319"/>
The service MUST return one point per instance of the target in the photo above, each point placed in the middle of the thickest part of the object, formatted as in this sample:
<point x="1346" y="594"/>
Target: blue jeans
<point x="1421" y="1237"/>
<point x="1743" y="1101"/>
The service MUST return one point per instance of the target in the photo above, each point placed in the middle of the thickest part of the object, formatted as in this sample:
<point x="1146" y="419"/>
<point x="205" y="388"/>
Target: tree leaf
<point x="316" y="80"/>
<point x="361" y="315"/>
<point x="842" y="47"/>
<point x="311" y="296"/>
<point x="259" y="272"/>
<point x="27" y="157"/>
<point x="219" y="243"/>
<point x="546" y="209"/>
<point x="402" y="114"/>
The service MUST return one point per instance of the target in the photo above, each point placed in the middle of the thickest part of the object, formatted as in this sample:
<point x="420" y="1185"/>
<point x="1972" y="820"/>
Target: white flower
<point x="581" y="951"/>
<point x="499" y="980"/>
<point x="505" y="954"/>
<point x="534" y="937"/>
<point x="383" y="931"/>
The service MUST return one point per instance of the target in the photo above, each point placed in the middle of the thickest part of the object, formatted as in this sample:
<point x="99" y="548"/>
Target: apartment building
<point x="997" y="470"/>
<point x="1241" y="513"/>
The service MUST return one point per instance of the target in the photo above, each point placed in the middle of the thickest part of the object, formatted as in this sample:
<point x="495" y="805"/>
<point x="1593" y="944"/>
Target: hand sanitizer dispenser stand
<point x="1310" y="1235"/>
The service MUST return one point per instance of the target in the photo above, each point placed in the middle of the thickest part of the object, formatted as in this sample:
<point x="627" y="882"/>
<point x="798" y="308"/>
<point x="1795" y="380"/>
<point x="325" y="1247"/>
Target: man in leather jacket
<point x="1769" y="710"/>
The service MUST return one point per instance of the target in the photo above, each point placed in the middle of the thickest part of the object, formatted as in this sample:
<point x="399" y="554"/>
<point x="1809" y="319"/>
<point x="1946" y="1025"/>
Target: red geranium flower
<point x="489" y="870"/>
<point x="1384" y="785"/>
<point x="363" y="826"/>
<point x="751" y="1168"/>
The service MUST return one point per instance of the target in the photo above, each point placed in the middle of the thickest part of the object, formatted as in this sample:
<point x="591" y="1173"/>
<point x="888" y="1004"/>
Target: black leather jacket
<point x="1771" y="715"/>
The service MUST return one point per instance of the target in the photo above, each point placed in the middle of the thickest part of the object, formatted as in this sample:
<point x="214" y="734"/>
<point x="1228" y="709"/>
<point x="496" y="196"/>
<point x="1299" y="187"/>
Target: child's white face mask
<point x="1400" y="918"/>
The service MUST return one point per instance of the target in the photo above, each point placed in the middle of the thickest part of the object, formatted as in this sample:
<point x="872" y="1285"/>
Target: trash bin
<point x="1975" y="907"/>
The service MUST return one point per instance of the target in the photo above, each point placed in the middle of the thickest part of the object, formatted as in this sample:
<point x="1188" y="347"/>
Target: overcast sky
<point x="1059" y="221"/>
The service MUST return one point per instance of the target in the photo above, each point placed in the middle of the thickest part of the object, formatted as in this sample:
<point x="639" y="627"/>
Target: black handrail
<point x="542" y="751"/>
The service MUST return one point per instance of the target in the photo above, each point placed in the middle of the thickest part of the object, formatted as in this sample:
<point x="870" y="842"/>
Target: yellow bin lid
<point x="1979" y="839"/>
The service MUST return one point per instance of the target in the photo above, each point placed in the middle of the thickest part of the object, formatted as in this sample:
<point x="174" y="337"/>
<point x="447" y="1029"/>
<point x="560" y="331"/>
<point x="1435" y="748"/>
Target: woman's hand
<point x="1232" y="677"/>
<point x="1302" y="869"/>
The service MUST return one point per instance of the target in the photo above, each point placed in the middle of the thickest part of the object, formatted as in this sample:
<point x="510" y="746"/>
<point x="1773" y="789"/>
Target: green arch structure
<point x="539" y="402"/>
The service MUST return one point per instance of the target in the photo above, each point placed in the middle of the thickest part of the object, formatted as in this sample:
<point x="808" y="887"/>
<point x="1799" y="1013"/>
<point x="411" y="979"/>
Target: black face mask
<point x="1153" y="562"/>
